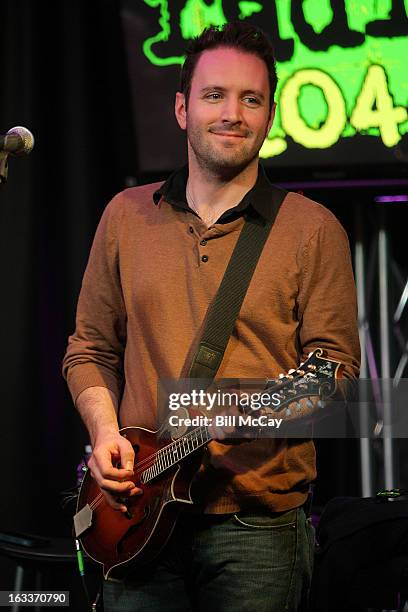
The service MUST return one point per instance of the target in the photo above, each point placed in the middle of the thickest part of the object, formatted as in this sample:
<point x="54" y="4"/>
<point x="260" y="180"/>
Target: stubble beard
<point x="224" y="163"/>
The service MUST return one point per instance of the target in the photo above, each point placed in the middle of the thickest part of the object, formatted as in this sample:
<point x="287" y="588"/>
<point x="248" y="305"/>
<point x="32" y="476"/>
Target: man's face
<point x="228" y="115"/>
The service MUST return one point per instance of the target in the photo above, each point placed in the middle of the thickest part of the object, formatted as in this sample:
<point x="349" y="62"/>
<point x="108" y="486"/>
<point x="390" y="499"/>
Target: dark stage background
<point x="64" y="75"/>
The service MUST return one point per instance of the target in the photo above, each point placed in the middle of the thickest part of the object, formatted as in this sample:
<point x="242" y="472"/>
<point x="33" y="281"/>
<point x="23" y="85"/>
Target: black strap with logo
<point x="224" y="310"/>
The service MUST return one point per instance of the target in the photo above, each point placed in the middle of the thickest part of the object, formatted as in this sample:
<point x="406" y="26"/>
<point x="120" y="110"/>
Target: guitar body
<point x="116" y="539"/>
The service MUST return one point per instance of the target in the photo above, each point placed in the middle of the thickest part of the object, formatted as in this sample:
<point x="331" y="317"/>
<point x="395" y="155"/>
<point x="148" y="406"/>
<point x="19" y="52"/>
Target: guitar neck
<point x="176" y="451"/>
<point x="314" y="377"/>
<point x="180" y="448"/>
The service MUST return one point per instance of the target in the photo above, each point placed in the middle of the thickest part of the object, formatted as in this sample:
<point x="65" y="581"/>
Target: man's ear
<point x="271" y="117"/>
<point x="180" y="110"/>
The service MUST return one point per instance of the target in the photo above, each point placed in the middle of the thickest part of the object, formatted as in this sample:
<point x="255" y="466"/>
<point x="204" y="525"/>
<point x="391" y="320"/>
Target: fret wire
<point x="167" y="458"/>
<point x="177" y="450"/>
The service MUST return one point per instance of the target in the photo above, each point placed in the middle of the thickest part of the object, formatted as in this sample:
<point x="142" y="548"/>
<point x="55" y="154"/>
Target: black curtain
<point x="64" y="76"/>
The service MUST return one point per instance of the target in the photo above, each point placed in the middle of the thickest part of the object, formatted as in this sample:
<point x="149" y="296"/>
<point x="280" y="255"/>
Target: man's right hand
<point x="111" y="450"/>
<point x="112" y="460"/>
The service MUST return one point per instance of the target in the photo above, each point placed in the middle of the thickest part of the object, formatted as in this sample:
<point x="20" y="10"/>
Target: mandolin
<point x="165" y="471"/>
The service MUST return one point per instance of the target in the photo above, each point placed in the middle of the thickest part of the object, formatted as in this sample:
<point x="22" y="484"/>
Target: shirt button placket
<point x="203" y="243"/>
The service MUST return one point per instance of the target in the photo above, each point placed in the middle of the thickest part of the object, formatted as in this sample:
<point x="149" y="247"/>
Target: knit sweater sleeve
<point x="327" y="302"/>
<point x="94" y="355"/>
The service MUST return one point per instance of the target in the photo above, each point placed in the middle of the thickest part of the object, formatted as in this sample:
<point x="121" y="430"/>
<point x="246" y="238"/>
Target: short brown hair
<point x="237" y="35"/>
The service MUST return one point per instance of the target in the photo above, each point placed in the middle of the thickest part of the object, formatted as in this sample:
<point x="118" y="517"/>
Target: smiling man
<point x="227" y="110"/>
<point x="158" y="258"/>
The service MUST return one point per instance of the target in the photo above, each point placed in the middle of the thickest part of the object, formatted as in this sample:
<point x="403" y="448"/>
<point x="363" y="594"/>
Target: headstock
<point x="314" y="377"/>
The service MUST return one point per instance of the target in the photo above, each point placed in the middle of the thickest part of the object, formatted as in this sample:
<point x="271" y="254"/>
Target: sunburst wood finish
<point x="115" y="538"/>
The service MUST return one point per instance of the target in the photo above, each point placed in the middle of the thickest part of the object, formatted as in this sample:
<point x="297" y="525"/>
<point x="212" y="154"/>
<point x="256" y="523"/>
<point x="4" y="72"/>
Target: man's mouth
<point x="228" y="134"/>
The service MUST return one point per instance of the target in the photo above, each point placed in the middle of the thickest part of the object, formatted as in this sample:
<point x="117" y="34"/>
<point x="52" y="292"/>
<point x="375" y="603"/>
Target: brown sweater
<point x="141" y="310"/>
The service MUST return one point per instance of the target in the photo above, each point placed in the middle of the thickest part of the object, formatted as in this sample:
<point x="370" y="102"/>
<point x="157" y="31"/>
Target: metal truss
<point x="376" y="274"/>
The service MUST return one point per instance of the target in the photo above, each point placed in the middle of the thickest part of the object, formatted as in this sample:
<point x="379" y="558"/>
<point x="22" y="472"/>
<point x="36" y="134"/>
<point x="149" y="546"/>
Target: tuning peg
<point x="298" y="407"/>
<point x="291" y="371"/>
<point x="309" y="403"/>
<point x="288" y="412"/>
<point x="320" y="404"/>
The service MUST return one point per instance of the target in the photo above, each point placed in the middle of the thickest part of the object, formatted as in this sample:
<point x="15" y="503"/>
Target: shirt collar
<point x="262" y="197"/>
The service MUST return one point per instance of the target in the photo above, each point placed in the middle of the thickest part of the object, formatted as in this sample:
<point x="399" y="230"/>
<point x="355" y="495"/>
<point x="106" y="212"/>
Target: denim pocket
<point x="278" y="521"/>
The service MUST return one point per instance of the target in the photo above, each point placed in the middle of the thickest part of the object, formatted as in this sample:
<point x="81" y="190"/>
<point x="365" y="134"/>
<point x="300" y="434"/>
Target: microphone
<point x="17" y="141"/>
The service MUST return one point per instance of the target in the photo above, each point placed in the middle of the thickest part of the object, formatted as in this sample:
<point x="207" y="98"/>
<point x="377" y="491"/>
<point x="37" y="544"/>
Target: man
<point x="156" y="263"/>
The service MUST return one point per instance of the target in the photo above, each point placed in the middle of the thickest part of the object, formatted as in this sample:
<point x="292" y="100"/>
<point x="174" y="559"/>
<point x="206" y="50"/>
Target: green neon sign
<point x="342" y="69"/>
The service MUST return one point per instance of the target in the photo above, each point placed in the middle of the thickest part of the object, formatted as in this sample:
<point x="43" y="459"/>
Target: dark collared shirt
<point x="262" y="198"/>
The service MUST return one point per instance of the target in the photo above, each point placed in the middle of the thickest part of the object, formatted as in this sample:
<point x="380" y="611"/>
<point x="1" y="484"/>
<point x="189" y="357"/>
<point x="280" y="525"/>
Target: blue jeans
<point x="224" y="563"/>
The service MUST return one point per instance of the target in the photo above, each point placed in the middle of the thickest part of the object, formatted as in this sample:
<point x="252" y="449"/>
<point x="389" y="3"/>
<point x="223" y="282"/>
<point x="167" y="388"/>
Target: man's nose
<point x="231" y="110"/>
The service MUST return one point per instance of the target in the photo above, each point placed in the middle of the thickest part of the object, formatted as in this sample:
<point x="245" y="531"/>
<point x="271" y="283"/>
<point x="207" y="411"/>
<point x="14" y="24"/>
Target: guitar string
<point x="151" y="459"/>
<point x="193" y="435"/>
<point x="278" y="386"/>
<point x="194" y="431"/>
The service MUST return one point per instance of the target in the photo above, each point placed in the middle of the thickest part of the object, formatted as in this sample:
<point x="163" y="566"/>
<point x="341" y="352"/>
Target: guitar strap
<point x="224" y="310"/>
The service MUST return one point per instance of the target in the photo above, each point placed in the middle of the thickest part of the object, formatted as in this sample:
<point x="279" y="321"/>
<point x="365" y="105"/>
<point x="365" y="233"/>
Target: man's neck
<point x="211" y="195"/>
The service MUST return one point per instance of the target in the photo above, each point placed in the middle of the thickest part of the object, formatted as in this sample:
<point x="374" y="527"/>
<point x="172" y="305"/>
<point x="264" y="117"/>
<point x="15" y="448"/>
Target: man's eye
<point x="251" y="100"/>
<point x="214" y="96"/>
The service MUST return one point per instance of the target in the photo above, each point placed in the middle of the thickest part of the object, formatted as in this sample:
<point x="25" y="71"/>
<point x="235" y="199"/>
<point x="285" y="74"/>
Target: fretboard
<point x="173" y="453"/>
<point x="305" y="381"/>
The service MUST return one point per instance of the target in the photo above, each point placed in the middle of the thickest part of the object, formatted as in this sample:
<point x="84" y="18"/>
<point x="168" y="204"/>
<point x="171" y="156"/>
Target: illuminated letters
<point x="324" y="49"/>
<point x="292" y="122"/>
<point x="386" y="117"/>
<point x="397" y="25"/>
<point x="336" y="33"/>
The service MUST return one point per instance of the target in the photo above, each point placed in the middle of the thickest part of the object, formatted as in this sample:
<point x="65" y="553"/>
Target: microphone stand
<point x="3" y="167"/>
